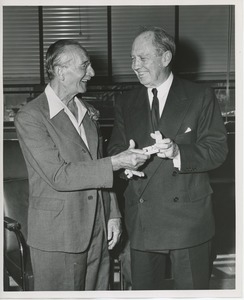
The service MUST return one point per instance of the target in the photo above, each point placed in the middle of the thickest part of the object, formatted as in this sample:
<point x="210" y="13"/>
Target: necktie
<point x="155" y="110"/>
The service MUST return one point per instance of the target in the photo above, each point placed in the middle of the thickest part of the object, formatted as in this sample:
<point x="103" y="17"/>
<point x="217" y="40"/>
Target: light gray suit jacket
<point x="65" y="178"/>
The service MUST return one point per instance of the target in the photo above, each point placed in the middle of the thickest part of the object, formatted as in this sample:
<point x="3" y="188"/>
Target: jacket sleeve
<point x="114" y="207"/>
<point x="209" y="148"/>
<point x="44" y="158"/>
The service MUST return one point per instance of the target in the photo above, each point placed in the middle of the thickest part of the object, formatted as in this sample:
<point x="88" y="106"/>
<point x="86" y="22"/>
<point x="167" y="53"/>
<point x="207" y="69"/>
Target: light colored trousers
<point x="60" y="271"/>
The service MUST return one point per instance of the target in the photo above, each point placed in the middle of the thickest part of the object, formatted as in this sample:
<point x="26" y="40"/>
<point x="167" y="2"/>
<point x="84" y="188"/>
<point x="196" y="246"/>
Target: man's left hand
<point x="114" y="232"/>
<point x="167" y="147"/>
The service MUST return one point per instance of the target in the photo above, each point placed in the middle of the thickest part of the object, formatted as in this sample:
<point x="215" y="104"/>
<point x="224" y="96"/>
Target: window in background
<point x="21" y="64"/>
<point x="87" y="24"/>
<point x="204" y="39"/>
<point x="205" y="47"/>
<point x="126" y="21"/>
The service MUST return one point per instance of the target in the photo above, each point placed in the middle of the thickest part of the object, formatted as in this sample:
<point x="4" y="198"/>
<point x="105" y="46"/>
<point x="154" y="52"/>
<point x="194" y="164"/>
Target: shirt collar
<point x="81" y="110"/>
<point x="56" y="105"/>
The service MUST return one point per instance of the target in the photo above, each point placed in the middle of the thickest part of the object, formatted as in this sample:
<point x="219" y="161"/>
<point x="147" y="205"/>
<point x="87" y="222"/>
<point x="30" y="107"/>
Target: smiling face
<point x="150" y="67"/>
<point x="76" y="70"/>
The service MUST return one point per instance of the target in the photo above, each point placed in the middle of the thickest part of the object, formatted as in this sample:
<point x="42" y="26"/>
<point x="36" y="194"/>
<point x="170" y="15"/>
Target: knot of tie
<point x="155" y="92"/>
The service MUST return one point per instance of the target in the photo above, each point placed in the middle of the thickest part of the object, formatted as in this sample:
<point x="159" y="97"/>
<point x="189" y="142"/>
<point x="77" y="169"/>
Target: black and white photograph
<point x="121" y="149"/>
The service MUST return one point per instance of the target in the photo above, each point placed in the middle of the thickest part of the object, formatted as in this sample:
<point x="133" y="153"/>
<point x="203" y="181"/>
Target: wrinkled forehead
<point x="143" y="43"/>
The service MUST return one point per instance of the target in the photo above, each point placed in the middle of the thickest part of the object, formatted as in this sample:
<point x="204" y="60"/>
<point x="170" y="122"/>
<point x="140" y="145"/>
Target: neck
<point x="62" y="93"/>
<point x="165" y="77"/>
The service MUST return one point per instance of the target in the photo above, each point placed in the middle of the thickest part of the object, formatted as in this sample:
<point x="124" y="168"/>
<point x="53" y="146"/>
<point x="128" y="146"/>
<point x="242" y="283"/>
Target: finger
<point x="140" y="158"/>
<point x="137" y="165"/>
<point x="167" y="145"/>
<point x="138" y="173"/>
<point x="161" y="154"/>
<point x="114" y="240"/>
<point x="110" y="235"/>
<point x="143" y="156"/>
<point x="132" y="144"/>
<point x="139" y="151"/>
<point x="165" y="141"/>
<point x="157" y="135"/>
<point x="111" y="246"/>
<point x="166" y="153"/>
<point x="128" y="173"/>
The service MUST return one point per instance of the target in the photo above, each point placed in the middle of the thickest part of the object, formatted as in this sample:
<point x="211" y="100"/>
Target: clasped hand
<point x="130" y="159"/>
<point x="167" y="148"/>
<point x="129" y="172"/>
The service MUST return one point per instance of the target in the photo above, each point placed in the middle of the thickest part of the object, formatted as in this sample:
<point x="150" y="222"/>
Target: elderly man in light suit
<point x="73" y="217"/>
<point x="169" y="211"/>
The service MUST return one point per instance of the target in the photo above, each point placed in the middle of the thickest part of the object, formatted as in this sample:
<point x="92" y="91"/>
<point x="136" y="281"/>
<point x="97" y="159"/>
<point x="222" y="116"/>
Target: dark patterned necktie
<point x="155" y="110"/>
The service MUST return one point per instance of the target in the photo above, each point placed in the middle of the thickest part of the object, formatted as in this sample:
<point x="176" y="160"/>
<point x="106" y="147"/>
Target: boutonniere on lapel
<point x="93" y="113"/>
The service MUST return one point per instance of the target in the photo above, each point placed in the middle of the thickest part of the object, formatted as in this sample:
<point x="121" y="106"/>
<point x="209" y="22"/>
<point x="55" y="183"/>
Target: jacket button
<point x="174" y="173"/>
<point x="176" y="199"/>
<point x="90" y="197"/>
<point x="141" y="200"/>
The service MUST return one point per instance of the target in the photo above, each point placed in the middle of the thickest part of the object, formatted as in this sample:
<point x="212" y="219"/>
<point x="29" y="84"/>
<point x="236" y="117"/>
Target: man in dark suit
<point x="169" y="211"/>
<point x="73" y="217"/>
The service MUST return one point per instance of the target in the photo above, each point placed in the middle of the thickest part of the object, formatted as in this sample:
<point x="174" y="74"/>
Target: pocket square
<point x="188" y="129"/>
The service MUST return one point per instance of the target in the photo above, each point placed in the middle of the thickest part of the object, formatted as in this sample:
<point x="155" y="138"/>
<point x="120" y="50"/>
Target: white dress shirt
<point x="56" y="105"/>
<point x="163" y="91"/>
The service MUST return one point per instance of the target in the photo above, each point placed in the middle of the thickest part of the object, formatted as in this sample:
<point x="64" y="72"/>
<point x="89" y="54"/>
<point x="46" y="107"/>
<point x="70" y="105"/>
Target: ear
<point x="166" y="58"/>
<point x="59" y="71"/>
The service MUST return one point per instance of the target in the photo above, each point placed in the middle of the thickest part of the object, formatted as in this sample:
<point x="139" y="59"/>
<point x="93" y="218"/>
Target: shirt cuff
<point x="177" y="161"/>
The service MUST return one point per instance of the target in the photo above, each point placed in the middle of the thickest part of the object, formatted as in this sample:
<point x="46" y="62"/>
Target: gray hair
<point x="56" y="53"/>
<point x="162" y="40"/>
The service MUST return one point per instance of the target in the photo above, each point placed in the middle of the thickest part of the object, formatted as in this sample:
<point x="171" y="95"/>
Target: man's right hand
<point x="130" y="159"/>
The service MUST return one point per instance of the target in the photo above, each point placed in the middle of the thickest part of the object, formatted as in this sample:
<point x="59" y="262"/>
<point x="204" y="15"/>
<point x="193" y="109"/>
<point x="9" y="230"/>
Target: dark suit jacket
<point x="171" y="209"/>
<point x="65" y="178"/>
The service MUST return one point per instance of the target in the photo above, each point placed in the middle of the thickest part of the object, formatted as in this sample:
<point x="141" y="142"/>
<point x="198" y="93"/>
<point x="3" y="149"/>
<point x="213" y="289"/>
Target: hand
<point x="130" y="159"/>
<point x="167" y="148"/>
<point x="130" y="173"/>
<point x="114" y="232"/>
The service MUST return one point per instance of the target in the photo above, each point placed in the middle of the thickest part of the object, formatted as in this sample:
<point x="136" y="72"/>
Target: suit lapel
<point x="174" y="111"/>
<point x="62" y="122"/>
<point x="91" y="135"/>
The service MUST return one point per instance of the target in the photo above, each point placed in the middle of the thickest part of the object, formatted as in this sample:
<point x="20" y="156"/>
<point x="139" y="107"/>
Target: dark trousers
<point x="61" y="271"/>
<point x="191" y="268"/>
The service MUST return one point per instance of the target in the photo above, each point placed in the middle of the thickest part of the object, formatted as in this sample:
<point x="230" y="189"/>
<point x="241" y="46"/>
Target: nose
<point x="90" y="71"/>
<point x="136" y="63"/>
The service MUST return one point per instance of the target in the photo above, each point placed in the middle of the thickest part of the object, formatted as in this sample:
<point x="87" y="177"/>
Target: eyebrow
<point x="85" y="62"/>
<point x="141" y="56"/>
